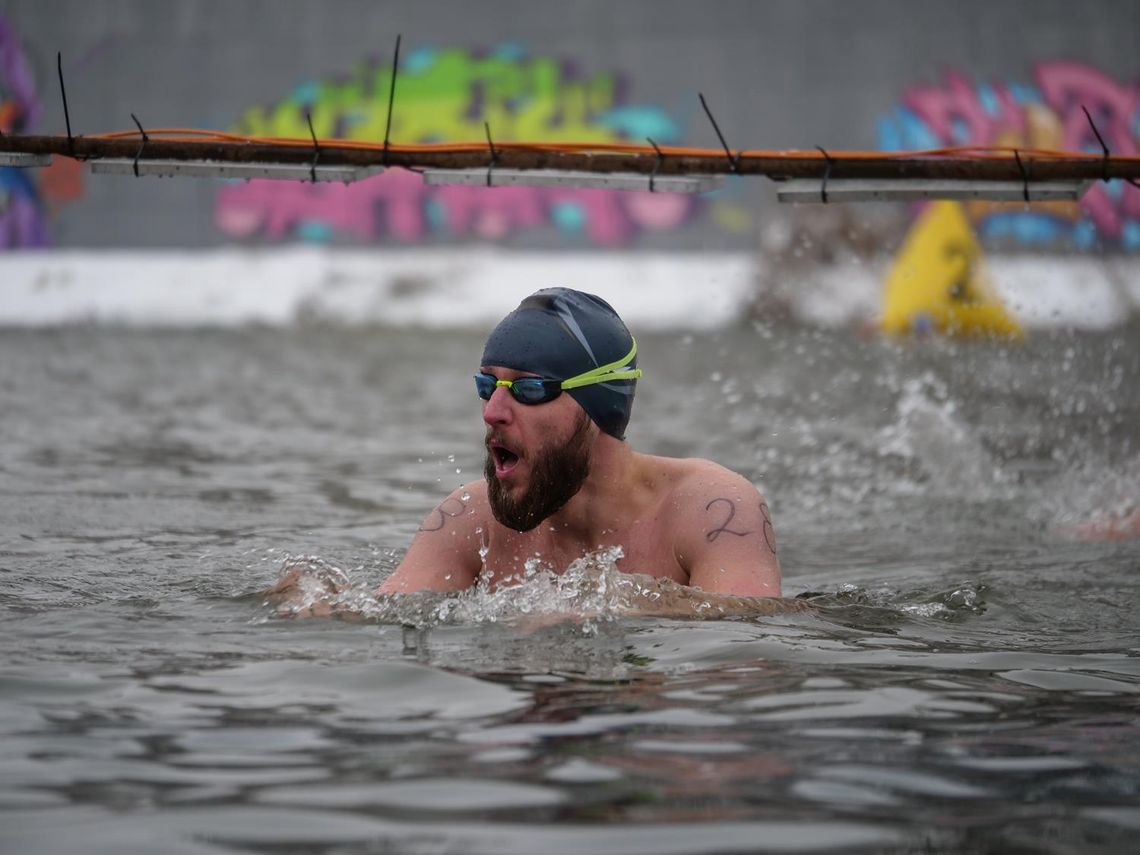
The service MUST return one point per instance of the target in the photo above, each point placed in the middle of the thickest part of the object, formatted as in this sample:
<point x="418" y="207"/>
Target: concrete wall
<point x="778" y="75"/>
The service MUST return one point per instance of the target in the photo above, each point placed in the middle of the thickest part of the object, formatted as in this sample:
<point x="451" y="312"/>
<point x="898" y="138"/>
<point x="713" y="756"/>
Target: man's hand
<point x="308" y="587"/>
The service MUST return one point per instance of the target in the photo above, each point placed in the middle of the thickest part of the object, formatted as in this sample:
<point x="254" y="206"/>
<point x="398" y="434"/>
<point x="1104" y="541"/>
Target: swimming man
<point x="557" y="379"/>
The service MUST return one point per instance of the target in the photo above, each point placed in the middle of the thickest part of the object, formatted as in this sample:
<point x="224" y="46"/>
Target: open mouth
<point x="504" y="459"/>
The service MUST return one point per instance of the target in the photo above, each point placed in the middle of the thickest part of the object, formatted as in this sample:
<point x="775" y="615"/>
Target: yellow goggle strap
<point x="618" y="370"/>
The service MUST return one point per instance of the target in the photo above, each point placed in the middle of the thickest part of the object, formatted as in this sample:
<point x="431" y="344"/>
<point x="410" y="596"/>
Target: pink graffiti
<point x="956" y="116"/>
<point x="21" y="211"/>
<point x="957" y="104"/>
<point x="396" y="203"/>
<point x="276" y="208"/>
<point x="21" y="223"/>
<point x="1066" y="87"/>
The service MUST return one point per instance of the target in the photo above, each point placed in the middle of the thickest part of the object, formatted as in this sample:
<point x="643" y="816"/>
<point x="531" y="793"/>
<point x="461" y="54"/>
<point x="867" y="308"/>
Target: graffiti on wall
<point x="1045" y="114"/>
<point x="21" y="213"/>
<point x="446" y="95"/>
<point x="27" y="197"/>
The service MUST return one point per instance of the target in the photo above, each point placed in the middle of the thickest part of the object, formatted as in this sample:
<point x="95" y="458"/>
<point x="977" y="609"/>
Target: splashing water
<point x="955" y="603"/>
<point x="929" y="431"/>
<point x="590" y="591"/>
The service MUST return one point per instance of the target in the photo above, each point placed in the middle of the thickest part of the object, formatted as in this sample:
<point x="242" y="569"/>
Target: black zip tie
<point x="656" y="166"/>
<point x="826" y="174"/>
<point x="1104" y="163"/>
<point x="494" y="154"/>
<point x="316" y="148"/>
<point x="142" y="145"/>
<point x="734" y="162"/>
<point x="63" y="93"/>
<point x="1099" y="139"/>
<point x="391" y="99"/>
<point x="1024" y="175"/>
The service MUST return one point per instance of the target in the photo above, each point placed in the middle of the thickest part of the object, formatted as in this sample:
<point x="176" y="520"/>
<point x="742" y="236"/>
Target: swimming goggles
<point x="539" y="390"/>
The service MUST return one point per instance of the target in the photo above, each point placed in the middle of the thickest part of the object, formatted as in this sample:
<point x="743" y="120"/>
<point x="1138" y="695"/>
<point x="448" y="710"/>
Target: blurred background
<point x="202" y="382"/>
<point x="777" y="75"/>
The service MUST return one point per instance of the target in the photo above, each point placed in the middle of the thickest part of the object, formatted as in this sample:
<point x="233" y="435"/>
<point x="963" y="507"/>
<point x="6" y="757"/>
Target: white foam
<point x="452" y="288"/>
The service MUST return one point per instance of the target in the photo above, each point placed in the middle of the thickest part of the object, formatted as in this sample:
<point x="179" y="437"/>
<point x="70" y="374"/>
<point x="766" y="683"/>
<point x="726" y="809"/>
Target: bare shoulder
<point x="702" y="475"/>
<point x="444" y="554"/>
<point x="721" y="530"/>
<point x="465" y="508"/>
<point x="693" y="481"/>
<point x="719" y="497"/>
<point x="680" y="483"/>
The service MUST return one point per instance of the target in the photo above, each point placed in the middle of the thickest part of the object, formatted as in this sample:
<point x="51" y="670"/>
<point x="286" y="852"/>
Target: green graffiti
<point x="446" y="95"/>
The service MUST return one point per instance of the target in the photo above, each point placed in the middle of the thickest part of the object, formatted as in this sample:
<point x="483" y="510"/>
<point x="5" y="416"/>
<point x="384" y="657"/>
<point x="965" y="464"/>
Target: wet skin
<point x="688" y="520"/>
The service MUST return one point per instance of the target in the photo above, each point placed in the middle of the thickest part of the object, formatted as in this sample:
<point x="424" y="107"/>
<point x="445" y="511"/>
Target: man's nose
<point x="499" y="408"/>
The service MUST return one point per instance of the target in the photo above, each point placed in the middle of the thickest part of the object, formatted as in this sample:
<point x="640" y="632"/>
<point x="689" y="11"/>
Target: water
<point x="969" y="681"/>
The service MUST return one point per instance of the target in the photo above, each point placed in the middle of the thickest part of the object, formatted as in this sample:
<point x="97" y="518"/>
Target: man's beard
<point x="556" y="476"/>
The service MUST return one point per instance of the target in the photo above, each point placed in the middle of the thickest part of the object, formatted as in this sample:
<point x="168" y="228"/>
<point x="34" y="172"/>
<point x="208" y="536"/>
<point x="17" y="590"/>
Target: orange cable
<point x="968" y="152"/>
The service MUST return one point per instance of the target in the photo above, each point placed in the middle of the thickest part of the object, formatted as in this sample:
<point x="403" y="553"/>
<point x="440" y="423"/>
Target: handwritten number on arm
<point x="769" y="533"/>
<point x="724" y="529"/>
<point x="449" y="507"/>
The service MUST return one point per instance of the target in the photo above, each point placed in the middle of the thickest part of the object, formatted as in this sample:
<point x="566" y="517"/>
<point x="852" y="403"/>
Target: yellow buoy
<point x="938" y="281"/>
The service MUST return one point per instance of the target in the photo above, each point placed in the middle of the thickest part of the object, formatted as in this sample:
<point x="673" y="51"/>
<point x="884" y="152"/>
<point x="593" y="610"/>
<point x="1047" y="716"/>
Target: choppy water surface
<point x="959" y="514"/>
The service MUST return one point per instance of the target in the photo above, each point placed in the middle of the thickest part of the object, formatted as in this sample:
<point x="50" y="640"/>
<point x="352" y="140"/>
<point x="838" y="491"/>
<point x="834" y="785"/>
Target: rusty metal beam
<point x="774" y="166"/>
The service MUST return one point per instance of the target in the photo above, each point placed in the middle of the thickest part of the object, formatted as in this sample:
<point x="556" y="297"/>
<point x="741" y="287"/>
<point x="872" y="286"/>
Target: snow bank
<point x="456" y="288"/>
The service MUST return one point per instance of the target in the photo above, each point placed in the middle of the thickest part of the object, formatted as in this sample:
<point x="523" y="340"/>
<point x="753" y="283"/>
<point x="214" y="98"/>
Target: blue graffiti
<point x="1025" y="94"/>
<point x="568" y="217"/>
<point x="1029" y="228"/>
<point x="988" y="99"/>
<point x="1085" y="234"/>
<point x="902" y="130"/>
<point x="420" y="60"/>
<point x="1130" y="236"/>
<point x="639" y="122"/>
<point x="955" y="121"/>
<point x="509" y="51"/>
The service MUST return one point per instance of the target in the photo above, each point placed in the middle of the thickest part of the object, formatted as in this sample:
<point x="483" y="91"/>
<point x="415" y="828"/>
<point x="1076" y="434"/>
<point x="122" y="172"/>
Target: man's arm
<point x="444" y="554"/>
<point x="724" y="534"/>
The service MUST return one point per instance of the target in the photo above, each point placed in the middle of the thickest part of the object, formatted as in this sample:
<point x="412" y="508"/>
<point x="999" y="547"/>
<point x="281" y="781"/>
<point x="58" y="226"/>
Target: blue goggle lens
<point x="525" y="390"/>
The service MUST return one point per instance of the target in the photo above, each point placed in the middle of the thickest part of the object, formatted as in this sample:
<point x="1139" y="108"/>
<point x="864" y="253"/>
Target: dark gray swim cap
<point x="560" y="333"/>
